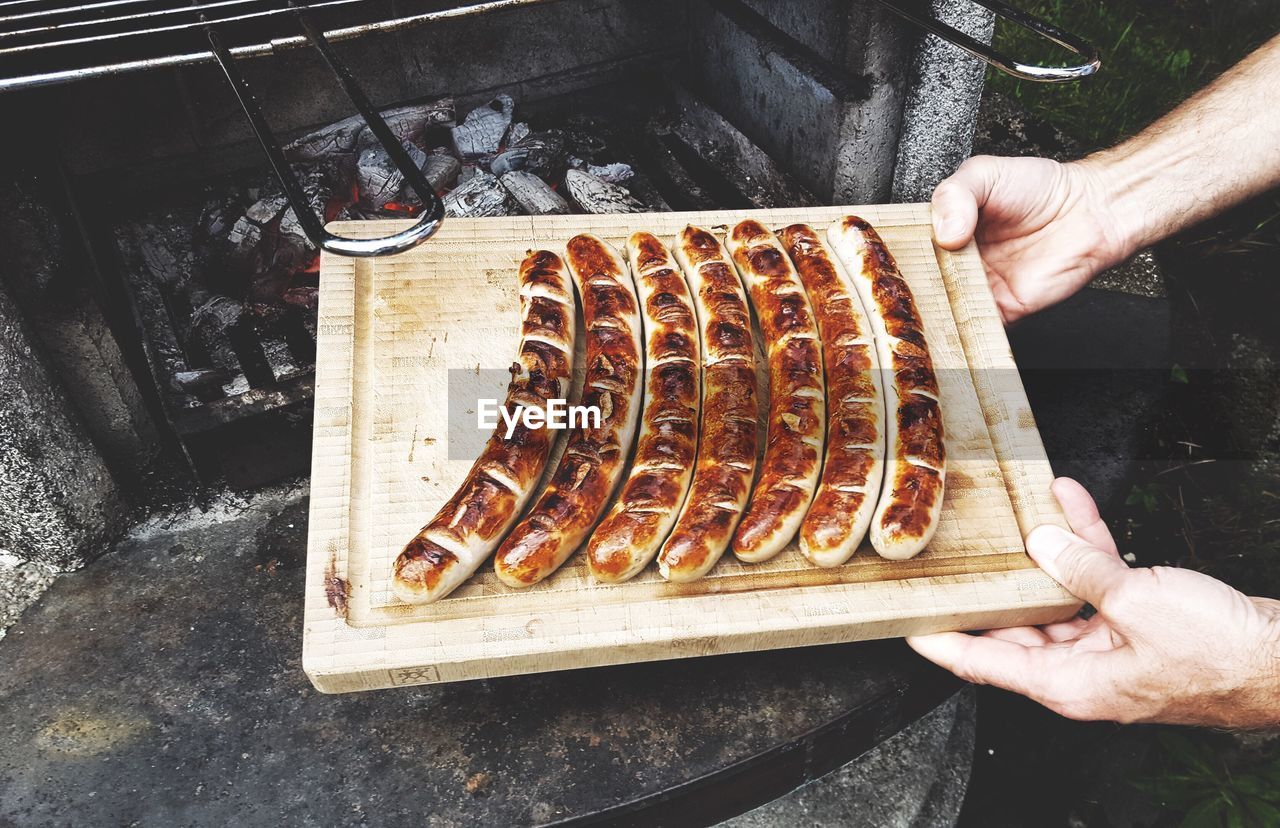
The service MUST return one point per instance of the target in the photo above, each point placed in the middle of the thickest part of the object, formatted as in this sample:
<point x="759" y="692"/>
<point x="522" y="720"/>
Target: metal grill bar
<point x="44" y="43"/>
<point x="201" y="13"/>
<point x="40" y="22"/>
<point x="76" y="9"/>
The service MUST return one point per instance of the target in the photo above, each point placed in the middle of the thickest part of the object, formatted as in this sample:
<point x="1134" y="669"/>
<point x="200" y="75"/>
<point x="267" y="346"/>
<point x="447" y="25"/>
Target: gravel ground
<point x="20" y="585"/>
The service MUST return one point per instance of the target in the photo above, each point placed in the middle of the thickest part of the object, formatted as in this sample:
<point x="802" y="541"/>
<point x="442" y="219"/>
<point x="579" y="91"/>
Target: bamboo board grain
<point x="390" y="331"/>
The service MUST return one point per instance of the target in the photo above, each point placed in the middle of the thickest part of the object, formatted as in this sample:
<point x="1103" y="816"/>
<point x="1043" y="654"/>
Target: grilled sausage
<point x="915" y="470"/>
<point x="642" y="517"/>
<point x="841" y="510"/>
<point x="594" y="457"/>
<point x="730" y="400"/>
<point x="797" y="396"/>
<point x="472" y="523"/>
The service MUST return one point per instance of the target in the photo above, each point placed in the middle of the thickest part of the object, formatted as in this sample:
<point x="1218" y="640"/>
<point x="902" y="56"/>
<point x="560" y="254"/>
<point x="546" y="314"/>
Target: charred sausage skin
<point x="797" y="394"/>
<point x="594" y="458"/>
<point x="853" y="469"/>
<point x="647" y="505"/>
<point x="730" y="411"/>
<point x="471" y="524"/>
<point x="910" y="504"/>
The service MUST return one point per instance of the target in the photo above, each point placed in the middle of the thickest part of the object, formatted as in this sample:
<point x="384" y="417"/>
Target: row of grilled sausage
<point x="854" y="430"/>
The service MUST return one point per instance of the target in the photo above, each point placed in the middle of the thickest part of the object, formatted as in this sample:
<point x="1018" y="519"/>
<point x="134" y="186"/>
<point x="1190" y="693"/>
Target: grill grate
<point x="45" y="42"/>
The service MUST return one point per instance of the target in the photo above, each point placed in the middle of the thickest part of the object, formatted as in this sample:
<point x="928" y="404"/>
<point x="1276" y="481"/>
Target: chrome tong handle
<point x="1026" y="71"/>
<point x="313" y="225"/>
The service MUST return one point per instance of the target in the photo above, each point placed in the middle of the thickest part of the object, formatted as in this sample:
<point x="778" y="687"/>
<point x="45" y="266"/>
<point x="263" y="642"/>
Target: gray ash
<point x="228" y="292"/>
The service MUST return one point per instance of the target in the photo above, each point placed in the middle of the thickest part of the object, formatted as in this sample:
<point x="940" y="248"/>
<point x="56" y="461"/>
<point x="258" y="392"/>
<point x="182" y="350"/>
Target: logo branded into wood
<point x="415" y="675"/>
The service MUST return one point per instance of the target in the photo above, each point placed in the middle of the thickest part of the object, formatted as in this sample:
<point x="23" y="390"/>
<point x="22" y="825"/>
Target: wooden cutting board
<point x="397" y="334"/>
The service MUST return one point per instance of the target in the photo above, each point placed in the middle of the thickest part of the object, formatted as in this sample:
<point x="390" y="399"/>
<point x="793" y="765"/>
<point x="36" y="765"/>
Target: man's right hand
<point x="1166" y="645"/>
<point x="1046" y="228"/>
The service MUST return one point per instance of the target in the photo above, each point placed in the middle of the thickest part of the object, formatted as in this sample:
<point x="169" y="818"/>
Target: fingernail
<point x="1048" y="540"/>
<point x="953" y="230"/>
<point x="943" y="229"/>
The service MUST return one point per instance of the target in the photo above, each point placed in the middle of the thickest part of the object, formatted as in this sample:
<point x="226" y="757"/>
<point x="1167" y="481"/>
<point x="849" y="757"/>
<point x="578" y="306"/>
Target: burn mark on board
<point x="336" y="588"/>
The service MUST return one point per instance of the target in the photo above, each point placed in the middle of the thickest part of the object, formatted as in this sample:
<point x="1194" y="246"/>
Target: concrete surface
<point x="21" y="583"/>
<point x="915" y="779"/>
<point x="48" y="275"/>
<point x="60" y="504"/>
<point x="818" y="85"/>
<point x="942" y="102"/>
<point x="162" y="685"/>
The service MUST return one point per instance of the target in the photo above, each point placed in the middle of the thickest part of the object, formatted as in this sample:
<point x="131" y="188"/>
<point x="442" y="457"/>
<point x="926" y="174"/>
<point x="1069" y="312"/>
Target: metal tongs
<point x="432" y="207"/>
<point x="1026" y="71"/>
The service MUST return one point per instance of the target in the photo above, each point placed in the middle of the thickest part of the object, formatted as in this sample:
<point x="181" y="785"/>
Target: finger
<point x="1011" y="310"/>
<point x="1089" y="573"/>
<point x="1082" y="514"/>
<point x="986" y="660"/>
<point x="1075" y="684"/>
<point x="956" y="202"/>
<point x="1026" y="636"/>
<point x="1065" y="630"/>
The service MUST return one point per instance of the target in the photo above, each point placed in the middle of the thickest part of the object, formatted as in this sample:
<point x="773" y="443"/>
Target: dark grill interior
<point x="199" y="266"/>
<point x="229" y="318"/>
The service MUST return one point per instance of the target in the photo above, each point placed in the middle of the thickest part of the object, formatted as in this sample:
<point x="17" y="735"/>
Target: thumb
<point x="1089" y="573"/>
<point x="956" y="202"/>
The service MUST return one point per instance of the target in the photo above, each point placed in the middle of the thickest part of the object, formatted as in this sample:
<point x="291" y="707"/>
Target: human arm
<point x="1165" y="645"/>
<point x="1045" y="229"/>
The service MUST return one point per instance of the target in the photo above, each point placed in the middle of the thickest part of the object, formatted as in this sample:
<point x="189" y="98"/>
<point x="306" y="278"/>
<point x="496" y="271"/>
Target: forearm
<point x="1259" y="705"/>
<point x="1220" y="147"/>
<point x="1239" y="689"/>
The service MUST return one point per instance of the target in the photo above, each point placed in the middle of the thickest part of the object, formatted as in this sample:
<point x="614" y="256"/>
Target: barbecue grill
<point x="127" y="355"/>
<point x="59" y="41"/>
<point x="135" y="154"/>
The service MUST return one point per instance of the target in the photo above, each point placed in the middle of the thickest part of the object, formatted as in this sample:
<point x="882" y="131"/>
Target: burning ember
<point x="487" y="165"/>
<point x="253" y="283"/>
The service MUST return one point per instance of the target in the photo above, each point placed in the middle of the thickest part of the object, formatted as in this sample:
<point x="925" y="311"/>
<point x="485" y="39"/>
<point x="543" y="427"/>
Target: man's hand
<point x="1166" y="645"/>
<point x="1044" y="229"/>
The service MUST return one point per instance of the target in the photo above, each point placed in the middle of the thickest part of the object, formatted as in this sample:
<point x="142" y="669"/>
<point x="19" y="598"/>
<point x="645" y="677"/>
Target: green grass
<point x="1154" y="55"/>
